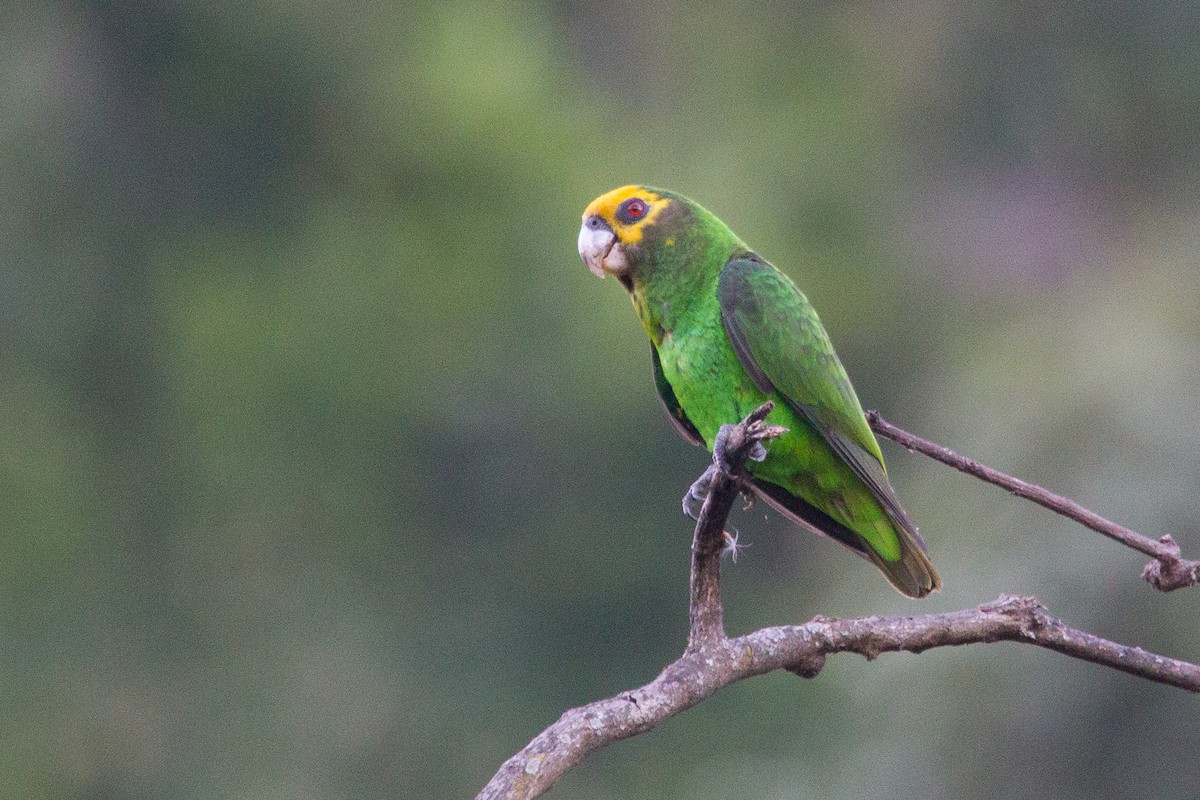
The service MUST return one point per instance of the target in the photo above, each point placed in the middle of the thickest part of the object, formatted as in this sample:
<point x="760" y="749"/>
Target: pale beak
<point x="600" y="249"/>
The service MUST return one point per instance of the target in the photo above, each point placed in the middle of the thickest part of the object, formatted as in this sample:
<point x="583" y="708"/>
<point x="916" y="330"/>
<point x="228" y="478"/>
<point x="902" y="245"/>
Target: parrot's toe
<point x="697" y="493"/>
<point x="721" y="455"/>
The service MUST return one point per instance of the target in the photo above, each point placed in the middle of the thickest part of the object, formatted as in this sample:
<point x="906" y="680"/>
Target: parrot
<point x="729" y="332"/>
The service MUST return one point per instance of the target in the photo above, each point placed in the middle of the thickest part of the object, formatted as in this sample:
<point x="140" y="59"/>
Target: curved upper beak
<point x="599" y="247"/>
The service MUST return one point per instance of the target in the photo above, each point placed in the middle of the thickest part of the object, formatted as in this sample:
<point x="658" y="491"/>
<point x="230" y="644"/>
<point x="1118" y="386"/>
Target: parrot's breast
<point x="712" y="387"/>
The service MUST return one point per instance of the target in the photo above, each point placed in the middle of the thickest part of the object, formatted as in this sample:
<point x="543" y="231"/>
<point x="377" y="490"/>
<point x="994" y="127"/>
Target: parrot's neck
<point x="675" y="299"/>
<point x="675" y="277"/>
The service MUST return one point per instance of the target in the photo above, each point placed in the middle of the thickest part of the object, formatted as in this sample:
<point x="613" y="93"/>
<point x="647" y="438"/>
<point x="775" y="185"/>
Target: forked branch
<point x="712" y="661"/>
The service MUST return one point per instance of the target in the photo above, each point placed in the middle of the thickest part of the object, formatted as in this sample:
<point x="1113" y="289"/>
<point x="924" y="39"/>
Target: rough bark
<point x="713" y="661"/>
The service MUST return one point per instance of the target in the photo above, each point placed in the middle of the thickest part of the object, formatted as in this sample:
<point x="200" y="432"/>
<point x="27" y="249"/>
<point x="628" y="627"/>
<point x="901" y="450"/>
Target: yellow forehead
<point x="605" y="206"/>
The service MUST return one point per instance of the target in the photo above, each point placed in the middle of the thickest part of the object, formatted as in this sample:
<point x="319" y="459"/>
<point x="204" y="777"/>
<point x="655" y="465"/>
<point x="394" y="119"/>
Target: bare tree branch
<point x="1167" y="572"/>
<point x="708" y="543"/>
<point x="802" y="649"/>
<point x="712" y="661"/>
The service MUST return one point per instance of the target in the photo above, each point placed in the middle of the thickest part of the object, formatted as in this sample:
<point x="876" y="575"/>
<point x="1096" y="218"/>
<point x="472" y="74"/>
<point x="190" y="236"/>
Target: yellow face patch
<point x="607" y="205"/>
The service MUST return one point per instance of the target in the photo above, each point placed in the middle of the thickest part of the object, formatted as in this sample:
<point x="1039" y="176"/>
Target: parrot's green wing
<point x="780" y="341"/>
<point x="782" y="345"/>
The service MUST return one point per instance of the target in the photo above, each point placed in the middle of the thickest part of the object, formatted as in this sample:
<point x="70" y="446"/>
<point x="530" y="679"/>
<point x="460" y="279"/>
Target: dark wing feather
<point x="671" y="404"/>
<point x="871" y="472"/>
<point x="808" y="516"/>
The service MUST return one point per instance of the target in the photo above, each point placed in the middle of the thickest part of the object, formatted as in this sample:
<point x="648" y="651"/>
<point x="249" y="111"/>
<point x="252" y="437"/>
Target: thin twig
<point x="1167" y="572"/>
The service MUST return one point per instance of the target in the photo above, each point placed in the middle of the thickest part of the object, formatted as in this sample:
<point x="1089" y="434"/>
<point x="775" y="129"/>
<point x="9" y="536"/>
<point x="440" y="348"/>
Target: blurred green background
<point x="328" y="471"/>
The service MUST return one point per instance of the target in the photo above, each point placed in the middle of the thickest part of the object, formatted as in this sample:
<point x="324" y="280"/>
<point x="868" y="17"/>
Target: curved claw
<point x="697" y="493"/>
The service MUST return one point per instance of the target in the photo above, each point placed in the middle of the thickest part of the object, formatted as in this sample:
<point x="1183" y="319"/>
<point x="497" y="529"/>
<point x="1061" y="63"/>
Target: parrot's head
<point x="623" y="227"/>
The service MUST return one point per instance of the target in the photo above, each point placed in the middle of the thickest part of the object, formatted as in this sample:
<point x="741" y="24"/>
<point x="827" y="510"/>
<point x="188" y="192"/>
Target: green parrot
<point x="728" y="332"/>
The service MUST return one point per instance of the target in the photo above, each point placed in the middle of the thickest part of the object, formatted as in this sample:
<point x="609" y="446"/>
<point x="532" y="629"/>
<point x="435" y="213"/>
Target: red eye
<point x="631" y="210"/>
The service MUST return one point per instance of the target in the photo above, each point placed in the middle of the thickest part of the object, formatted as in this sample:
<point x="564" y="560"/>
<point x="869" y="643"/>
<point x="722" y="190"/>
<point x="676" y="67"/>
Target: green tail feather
<point x="912" y="574"/>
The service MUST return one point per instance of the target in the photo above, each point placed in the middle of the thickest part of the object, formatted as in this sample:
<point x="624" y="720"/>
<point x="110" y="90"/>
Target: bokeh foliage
<point x="328" y="471"/>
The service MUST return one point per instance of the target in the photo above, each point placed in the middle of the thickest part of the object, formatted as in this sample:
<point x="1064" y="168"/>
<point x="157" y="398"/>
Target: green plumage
<point x="728" y="332"/>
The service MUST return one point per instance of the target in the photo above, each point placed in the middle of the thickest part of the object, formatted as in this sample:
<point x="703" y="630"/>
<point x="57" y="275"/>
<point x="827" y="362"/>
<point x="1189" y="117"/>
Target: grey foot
<point x="697" y="493"/>
<point x="750" y="434"/>
<point x="721" y="450"/>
